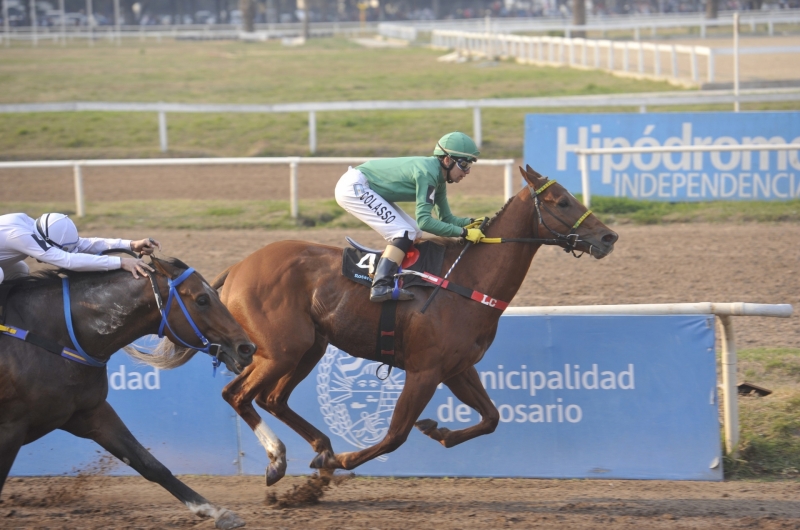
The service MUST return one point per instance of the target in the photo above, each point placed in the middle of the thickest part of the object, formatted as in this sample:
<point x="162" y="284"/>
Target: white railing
<point x="59" y="34"/>
<point x="292" y="161"/>
<point x="728" y="360"/>
<point x="397" y="31"/>
<point x="641" y="59"/>
<point x="641" y="100"/>
<point x="637" y="23"/>
<point x="611" y="151"/>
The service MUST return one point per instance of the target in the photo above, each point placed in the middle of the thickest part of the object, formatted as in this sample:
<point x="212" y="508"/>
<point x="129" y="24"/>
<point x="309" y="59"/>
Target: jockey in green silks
<point x="370" y="192"/>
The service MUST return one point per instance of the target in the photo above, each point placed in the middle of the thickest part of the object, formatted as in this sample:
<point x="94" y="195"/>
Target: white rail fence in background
<point x="643" y="59"/>
<point x="637" y="23"/>
<point x="728" y="360"/>
<point x="292" y="161"/>
<point x="609" y="152"/>
<point x="59" y="34"/>
<point x="641" y="100"/>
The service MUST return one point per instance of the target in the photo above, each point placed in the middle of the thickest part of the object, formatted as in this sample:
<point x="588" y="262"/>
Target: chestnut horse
<point x="66" y="388"/>
<point x="293" y="301"/>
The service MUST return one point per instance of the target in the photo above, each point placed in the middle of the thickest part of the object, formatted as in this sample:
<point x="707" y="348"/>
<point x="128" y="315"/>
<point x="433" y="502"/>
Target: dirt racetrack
<point x="667" y="263"/>
<point x="445" y="504"/>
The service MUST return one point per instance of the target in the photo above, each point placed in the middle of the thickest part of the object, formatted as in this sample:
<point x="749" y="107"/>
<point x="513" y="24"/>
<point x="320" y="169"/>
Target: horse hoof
<point x="426" y="426"/>
<point x="227" y="520"/>
<point x="274" y="474"/>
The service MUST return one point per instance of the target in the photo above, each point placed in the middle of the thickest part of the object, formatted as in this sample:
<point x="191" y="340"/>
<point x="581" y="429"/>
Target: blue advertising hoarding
<point x="551" y="139"/>
<point x="578" y="396"/>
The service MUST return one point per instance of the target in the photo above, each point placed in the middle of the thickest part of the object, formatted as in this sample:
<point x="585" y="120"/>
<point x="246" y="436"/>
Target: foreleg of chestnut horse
<point x="275" y="401"/>
<point x="467" y="387"/>
<point x="261" y="376"/>
<point x="102" y="425"/>
<point x="417" y="392"/>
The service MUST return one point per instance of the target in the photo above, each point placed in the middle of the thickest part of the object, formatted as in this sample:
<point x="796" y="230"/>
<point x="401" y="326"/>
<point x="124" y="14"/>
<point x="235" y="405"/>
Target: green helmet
<point x="456" y="145"/>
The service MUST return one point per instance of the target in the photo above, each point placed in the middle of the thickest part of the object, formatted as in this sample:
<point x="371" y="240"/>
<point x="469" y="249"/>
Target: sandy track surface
<point x="132" y="502"/>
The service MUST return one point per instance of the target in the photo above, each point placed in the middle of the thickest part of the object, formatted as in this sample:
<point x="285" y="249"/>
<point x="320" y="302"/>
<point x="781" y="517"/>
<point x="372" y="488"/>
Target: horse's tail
<point x="219" y="281"/>
<point x="164" y="356"/>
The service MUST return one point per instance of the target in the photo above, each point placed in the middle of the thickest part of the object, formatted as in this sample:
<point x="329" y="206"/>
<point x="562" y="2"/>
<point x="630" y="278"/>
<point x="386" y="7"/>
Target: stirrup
<point x="382" y="293"/>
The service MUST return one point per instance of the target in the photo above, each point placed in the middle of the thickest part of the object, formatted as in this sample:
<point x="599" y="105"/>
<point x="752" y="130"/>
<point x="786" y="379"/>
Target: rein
<point x="569" y="241"/>
<point x="207" y="347"/>
<point x="80" y="356"/>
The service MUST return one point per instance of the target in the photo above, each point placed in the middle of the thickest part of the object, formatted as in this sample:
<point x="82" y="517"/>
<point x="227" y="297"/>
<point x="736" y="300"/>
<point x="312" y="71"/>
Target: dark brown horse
<point x="293" y="301"/>
<point x="42" y="391"/>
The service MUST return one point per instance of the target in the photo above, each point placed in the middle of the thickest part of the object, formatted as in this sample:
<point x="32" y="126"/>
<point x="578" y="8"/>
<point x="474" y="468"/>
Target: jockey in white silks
<point x="53" y="239"/>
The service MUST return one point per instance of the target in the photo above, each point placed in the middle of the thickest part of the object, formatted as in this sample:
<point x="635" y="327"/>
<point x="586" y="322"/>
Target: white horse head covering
<point x="58" y="230"/>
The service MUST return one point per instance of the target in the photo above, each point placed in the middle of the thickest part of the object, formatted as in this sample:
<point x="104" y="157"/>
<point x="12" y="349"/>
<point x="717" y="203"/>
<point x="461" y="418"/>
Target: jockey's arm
<point x="28" y="245"/>
<point x="426" y="198"/>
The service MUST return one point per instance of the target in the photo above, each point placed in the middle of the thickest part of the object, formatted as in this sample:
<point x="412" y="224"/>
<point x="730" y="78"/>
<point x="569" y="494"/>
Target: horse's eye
<point x="563" y="203"/>
<point x="202" y="299"/>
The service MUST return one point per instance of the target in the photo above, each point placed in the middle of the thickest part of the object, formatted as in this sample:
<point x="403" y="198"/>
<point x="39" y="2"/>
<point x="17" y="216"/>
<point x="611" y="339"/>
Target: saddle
<point x="358" y="263"/>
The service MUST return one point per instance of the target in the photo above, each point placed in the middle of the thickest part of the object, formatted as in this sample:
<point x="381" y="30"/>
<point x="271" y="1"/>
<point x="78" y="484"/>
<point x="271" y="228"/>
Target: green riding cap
<point x="457" y="145"/>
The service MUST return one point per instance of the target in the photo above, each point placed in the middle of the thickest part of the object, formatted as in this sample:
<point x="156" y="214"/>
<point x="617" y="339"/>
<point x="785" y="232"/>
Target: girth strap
<point x="386" y="327"/>
<point x="47" y="344"/>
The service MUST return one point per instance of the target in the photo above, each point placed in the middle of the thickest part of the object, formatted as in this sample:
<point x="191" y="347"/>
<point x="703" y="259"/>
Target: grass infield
<point x="331" y="69"/>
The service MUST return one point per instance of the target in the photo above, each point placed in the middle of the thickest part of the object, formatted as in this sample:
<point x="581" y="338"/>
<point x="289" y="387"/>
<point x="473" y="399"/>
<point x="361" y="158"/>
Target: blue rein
<point x="79" y="355"/>
<point x="208" y="348"/>
<point x="82" y="356"/>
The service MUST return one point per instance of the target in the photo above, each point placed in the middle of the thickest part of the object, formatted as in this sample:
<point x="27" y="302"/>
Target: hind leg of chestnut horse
<point x="467" y="388"/>
<point x="417" y="392"/>
<point x="102" y="425"/>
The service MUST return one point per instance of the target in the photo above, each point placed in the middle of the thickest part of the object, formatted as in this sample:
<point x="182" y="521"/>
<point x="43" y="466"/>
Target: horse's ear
<point x="161" y="266"/>
<point x="533" y="178"/>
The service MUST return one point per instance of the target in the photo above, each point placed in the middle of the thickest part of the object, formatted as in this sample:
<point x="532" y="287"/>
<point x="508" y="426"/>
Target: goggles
<point x="463" y="164"/>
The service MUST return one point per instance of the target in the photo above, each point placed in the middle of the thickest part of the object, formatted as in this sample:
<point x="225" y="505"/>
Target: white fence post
<point x="293" y="208"/>
<point x="34" y="25"/>
<point x="729" y="390"/>
<point x="80" y="206"/>
<point x="674" y="62"/>
<point x="477" y="131"/>
<point x="736" y="61"/>
<point x="508" y="178"/>
<point x="587" y="194"/>
<point x="694" y="63"/>
<point x="312" y="132"/>
<point x="162" y="131"/>
<point x="711" y="65"/>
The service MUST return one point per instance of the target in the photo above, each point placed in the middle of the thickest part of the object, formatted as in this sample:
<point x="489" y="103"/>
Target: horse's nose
<point x="610" y="238"/>
<point x="247" y="349"/>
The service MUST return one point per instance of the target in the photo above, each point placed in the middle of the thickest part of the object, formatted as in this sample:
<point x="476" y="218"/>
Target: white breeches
<point x="354" y="195"/>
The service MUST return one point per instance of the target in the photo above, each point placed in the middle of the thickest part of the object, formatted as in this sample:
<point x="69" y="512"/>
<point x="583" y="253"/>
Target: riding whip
<point x="453" y="266"/>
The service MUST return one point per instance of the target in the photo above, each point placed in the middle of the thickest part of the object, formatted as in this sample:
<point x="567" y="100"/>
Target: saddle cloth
<point x="359" y="265"/>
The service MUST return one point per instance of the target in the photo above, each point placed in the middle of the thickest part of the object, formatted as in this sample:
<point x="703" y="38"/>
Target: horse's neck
<point x="110" y="316"/>
<point x="501" y="268"/>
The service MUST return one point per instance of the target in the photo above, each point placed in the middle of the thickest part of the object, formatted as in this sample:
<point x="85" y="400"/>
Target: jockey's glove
<point x="473" y="235"/>
<point x="476" y="222"/>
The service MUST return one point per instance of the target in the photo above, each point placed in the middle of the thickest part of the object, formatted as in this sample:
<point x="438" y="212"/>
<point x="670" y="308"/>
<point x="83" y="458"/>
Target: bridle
<point x="566" y="241"/>
<point x="570" y="240"/>
<point x="208" y="347"/>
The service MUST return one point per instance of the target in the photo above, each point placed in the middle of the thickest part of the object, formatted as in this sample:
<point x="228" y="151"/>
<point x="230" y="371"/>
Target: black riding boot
<point x="383" y="284"/>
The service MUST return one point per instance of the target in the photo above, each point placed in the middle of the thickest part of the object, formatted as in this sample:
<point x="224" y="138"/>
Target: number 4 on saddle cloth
<point x="358" y="264"/>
